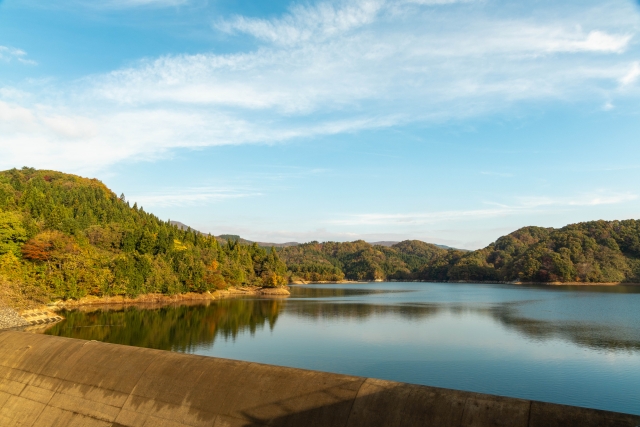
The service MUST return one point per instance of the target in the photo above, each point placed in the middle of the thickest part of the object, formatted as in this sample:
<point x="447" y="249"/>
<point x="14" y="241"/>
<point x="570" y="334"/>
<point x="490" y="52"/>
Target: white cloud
<point x="304" y="23"/>
<point x="592" y="199"/>
<point x="46" y="137"/>
<point x="191" y="196"/>
<point x="412" y="69"/>
<point x="632" y="75"/>
<point x="422" y="218"/>
<point x="326" y="68"/>
<point x="319" y="21"/>
<point x="11" y="93"/>
<point x="111" y="4"/>
<point x="331" y="19"/>
<point x="595" y="41"/>
<point x="15" y="115"/>
<point x="524" y="205"/>
<point x="138" y="3"/>
<point x="12" y="54"/>
<point x="436" y="2"/>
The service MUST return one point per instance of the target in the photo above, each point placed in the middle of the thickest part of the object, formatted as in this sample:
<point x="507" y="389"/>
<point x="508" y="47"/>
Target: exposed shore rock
<point x="9" y="318"/>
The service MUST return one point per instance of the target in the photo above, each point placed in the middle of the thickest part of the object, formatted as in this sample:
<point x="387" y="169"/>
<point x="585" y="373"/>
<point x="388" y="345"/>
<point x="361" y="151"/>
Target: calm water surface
<point x="570" y="345"/>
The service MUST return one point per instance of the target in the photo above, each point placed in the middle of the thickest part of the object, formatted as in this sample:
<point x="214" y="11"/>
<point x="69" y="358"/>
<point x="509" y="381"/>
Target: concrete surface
<point x="54" y="381"/>
<point x="40" y="316"/>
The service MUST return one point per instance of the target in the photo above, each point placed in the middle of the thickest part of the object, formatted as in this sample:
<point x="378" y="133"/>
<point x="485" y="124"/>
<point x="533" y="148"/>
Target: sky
<point x="448" y="121"/>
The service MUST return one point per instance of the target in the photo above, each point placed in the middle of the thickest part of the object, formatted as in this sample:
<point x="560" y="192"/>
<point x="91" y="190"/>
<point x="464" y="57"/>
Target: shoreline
<point x="488" y="282"/>
<point x="11" y="318"/>
<point x="169" y="299"/>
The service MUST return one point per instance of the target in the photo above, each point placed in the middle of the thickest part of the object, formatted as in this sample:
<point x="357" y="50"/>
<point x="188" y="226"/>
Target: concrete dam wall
<point x="53" y="381"/>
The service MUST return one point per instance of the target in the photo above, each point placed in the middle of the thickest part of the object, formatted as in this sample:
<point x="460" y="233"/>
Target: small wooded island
<point x="66" y="237"/>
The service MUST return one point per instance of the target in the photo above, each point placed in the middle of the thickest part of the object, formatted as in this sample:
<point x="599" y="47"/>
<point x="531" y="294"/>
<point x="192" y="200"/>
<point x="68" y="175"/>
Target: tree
<point x="12" y="233"/>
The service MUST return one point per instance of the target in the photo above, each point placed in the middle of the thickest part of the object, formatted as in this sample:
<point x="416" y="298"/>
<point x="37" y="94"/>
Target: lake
<point x="565" y="344"/>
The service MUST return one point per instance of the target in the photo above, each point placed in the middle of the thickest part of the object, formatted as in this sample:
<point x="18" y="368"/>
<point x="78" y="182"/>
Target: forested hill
<point x="63" y="236"/>
<point x="597" y="251"/>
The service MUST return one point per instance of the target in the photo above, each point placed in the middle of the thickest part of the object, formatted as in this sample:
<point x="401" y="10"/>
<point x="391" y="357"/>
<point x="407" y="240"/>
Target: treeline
<point x="63" y="236"/>
<point x="359" y="260"/>
<point x="597" y="251"/>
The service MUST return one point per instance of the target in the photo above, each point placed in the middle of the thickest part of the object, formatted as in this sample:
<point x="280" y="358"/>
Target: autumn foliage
<point x="72" y="237"/>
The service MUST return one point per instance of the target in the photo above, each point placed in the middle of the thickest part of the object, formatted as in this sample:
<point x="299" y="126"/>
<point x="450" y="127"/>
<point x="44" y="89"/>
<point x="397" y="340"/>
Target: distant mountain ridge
<point x="391" y="243"/>
<point x="224" y="237"/>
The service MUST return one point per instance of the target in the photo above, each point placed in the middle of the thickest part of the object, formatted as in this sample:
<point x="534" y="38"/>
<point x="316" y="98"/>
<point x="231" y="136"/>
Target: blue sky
<point x="450" y="121"/>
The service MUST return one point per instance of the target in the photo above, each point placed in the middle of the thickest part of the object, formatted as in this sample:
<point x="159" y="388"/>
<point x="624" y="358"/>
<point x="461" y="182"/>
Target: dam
<point x="57" y="381"/>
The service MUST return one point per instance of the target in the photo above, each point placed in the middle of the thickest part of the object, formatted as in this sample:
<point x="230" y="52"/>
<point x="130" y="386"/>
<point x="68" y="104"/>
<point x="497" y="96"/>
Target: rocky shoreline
<point x="9" y="318"/>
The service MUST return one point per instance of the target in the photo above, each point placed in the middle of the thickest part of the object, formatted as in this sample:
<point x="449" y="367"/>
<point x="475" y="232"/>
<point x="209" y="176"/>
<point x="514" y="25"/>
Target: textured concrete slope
<point x="53" y="381"/>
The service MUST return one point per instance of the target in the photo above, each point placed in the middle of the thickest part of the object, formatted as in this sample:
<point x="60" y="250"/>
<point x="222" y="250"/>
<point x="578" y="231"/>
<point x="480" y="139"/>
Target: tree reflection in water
<point x="173" y="327"/>
<point x="186" y="327"/>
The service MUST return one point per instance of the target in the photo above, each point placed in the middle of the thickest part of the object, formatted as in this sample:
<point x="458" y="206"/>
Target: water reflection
<point x="314" y="291"/>
<point x="590" y="335"/>
<point x="181" y="328"/>
<point x="187" y="327"/>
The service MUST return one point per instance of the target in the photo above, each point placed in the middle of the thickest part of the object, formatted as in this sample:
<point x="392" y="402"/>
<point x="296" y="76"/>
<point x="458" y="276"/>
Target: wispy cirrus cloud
<point x="320" y="21"/>
<point x="331" y="19"/>
<point x="307" y="22"/>
<point x="524" y="205"/>
<point x="89" y="141"/>
<point x="595" y="41"/>
<point x="139" y="3"/>
<point x="632" y="75"/>
<point x="106" y="5"/>
<point x="326" y="68"/>
<point x="593" y="199"/>
<point x="191" y="196"/>
<point x="9" y="54"/>
<point x="326" y="58"/>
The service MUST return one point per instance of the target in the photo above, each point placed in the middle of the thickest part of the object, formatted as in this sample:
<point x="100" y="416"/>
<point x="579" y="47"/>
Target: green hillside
<point x="64" y="236"/>
<point x="360" y="260"/>
<point x="598" y="251"/>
